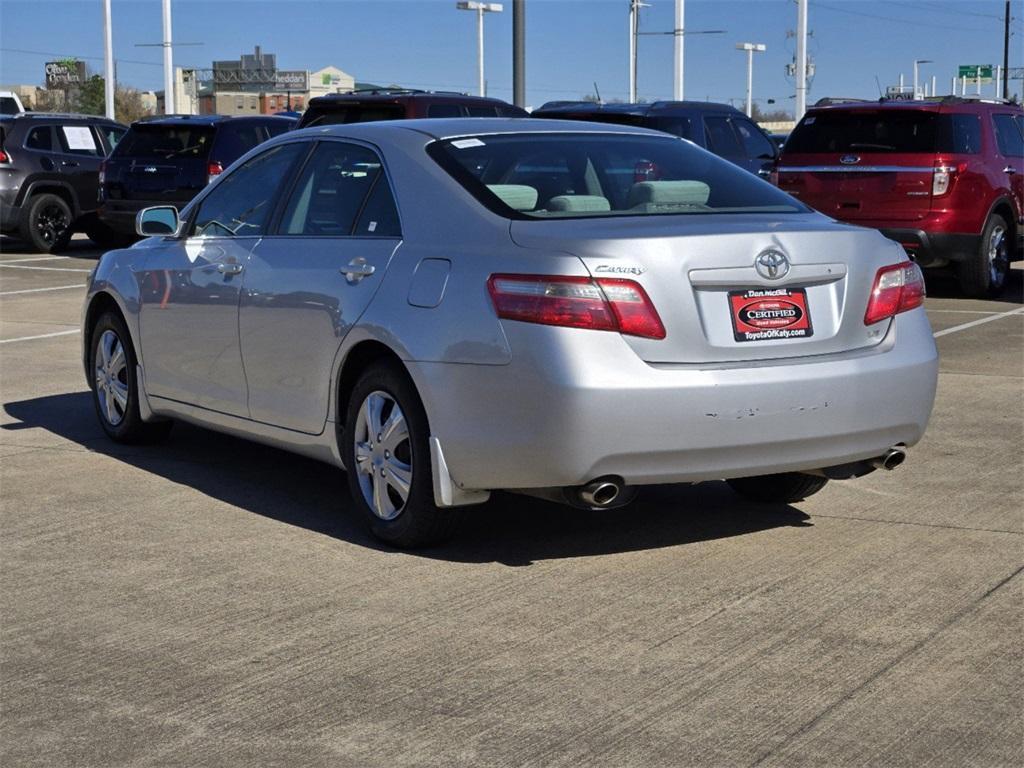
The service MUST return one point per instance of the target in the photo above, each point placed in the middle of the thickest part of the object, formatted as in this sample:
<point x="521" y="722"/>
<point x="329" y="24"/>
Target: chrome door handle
<point x="1010" y="170"/>
<point x="357" y="269"/>
<point x="229" y="268"/>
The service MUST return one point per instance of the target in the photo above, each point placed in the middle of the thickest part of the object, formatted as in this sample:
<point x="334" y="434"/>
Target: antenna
<point x="597" y="93"/>
<point x="879" y="86"/>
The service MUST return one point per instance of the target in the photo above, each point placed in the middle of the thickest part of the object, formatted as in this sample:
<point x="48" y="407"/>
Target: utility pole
<point x="801" y="58"/>
<point x="168" y="61"/>
<point x="108" y="61"/>
<point x="519" y="53"/>
<point x="679" y="51"/>
<point x="632" y="50"/>
<point x="1006" y="51"/>
<point x="481" y="9"/>
<point x="750" y="48"/>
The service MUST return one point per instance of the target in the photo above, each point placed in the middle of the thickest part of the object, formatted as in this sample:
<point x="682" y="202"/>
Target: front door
<point x="309" y="282"/>
<point x="190" y="288"/>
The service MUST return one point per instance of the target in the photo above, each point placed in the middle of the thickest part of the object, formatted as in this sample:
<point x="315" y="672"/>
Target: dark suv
<point x="49" y="166"/>
<point x="384" y="104"/>
<point x="168" y="160"/>
<point x="719" y="128"/>
<point x="942" y="177"/>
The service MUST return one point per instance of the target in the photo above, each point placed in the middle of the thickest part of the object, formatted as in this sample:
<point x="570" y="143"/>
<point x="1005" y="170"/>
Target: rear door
<point x="309" y="282"/>
<point x="79" y="154"/>
<point x="865" y="164"/>
<point x="1009" y="132"/>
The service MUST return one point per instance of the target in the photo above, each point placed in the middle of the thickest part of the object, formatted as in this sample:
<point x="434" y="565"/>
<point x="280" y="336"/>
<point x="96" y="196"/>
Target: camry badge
<point x="849" y="159"/>
<point x="771" y="264"/>
<point x="619" y="269"/>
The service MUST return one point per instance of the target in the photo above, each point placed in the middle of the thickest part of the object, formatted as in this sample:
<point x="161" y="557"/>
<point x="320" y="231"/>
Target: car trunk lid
<point x="715" y="304"/>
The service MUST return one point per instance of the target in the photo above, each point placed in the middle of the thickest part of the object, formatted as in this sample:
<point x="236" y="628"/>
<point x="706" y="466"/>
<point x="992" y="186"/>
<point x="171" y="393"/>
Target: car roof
<point x="59" y="117"/>
<point x="667" y="108"/>
<point x="398" y="95"/>
<point x="939" y="104"/>
<point x="454" y="127"/>
<point x="207" y="119"/>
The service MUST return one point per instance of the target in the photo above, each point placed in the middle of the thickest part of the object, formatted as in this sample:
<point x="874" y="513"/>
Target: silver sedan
<point x="569" y="310"/>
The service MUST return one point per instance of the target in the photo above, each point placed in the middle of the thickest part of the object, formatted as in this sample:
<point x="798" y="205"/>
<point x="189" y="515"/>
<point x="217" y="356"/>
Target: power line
<point x="912" y="22"/>
<point x="931" y="8"/>
<point x="83" y="58"/>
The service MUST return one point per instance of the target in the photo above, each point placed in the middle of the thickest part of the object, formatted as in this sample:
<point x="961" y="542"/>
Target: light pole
<point x="801" y="58"/>
<point x="750" y="48"/>
<point x="168" y="62"/>
<point x="481" y="9"/>
<point x="108" y="62"/>
<point x="917" y="95"/>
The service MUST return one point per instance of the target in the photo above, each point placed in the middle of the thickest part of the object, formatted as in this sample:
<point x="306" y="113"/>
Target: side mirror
<point x="156" y="221"/>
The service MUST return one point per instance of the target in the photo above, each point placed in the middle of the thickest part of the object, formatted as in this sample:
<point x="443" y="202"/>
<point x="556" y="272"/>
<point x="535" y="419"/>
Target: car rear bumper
<point x="119" y="215"/>
<point x="928" y="248"/>
<point x="579" y="404"/>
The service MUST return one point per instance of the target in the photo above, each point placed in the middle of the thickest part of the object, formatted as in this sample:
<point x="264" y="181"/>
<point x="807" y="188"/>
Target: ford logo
<point x="849" y="159"/>
<point x="771" y="264"/>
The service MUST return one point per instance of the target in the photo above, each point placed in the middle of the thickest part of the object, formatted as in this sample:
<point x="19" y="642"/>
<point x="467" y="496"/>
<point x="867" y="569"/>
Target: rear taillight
<point x="898" y="287"/>
<point x="605" y="304"/>
<point x="213" y="170"/>
<point x="103" y="173"/>
<point x="943" y="176"/>
<point x="4" y="157"/>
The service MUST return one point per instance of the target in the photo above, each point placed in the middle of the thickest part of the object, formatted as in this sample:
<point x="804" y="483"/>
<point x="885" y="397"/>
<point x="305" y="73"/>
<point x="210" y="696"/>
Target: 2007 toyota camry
<point x="570" y="310"/>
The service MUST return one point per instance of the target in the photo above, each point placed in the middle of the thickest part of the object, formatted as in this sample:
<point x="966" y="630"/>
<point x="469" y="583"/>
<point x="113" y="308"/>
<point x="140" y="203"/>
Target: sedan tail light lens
<point x="898" y="288"/>
<point x="213" y="170"/>
<point x="605" y="304"/>
<point x="4" y="157"/>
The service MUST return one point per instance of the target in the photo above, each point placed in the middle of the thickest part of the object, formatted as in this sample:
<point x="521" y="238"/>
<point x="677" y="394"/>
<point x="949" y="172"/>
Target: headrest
<point x="518" y="197"/>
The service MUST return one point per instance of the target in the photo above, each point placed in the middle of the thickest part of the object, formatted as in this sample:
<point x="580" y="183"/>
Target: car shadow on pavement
<point x="78" y="248"/>
<point x="510" y="529"/>
<point x="942" y="284"/>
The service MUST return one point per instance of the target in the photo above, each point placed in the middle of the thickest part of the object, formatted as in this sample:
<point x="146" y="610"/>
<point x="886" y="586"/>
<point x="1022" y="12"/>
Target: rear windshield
<point x="568" y="175"/>
<point x="166" y="141"/>
<point x="885" y="131"/>
<point x="677" y="126"/>
<point x="352" y="113"/>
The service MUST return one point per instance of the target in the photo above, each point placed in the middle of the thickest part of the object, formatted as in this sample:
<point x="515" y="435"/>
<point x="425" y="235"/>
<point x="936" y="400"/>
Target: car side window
<point x="966" y="134"/>
<point x="41" y="138"/>
<point x="1008" y="135"/>
<point x="330" y="192"/>
<point x="78" y="140"/>
<point x="482" y="111"/>
<point x="722" y="138"/>
<point x="379" y="217"/>
<point x="111" y="133"/>
<point x="755" y="142"/>
<point x="444" y="110"/>
<point x="241" y="204"/>
<point x="233" y="141"/>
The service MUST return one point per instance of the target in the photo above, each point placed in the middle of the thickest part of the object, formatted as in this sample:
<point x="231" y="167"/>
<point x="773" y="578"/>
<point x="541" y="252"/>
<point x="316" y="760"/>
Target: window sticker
<point x="79" y="137"/>
<point x="372" y="226"/>
<point x="467" y="143"/>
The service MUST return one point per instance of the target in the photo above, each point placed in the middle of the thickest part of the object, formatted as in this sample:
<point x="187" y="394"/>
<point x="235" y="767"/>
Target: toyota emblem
<point x="771" y="264"/>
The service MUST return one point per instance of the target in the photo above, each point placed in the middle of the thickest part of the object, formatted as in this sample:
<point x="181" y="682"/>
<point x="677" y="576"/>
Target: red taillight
<point x="605" y="304"/>
<point x="213" y="170"/>
<point x="898" y="288"/>
<point x="4" y="157"/>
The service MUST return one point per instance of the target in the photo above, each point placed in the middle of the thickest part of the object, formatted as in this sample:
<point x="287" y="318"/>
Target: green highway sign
<point x="973" y="71"/>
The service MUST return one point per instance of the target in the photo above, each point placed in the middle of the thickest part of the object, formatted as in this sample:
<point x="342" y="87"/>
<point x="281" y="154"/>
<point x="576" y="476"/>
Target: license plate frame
<point x="770" y="314"/>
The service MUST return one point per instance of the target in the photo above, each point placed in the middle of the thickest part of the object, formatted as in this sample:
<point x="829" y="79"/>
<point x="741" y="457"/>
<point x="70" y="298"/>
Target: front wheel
<point x="387" y="459"/>
<point x="115" y="386"/>
<point x="984" y="273"/>
<point x="778" y="489"/>
<point x="47" y="224"/>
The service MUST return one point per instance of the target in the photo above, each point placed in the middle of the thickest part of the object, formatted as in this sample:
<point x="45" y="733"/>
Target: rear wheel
<point x="778" y="489"/>
<point x="47" y="223"/>
<point x="115" y="386"/>
<point x="984" y="273"/>
<point x="387" y="458"/>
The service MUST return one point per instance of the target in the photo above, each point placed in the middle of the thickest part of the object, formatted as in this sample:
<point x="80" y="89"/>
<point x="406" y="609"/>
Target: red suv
<point x="399" y="104"/>
<point x="944" y="178"/>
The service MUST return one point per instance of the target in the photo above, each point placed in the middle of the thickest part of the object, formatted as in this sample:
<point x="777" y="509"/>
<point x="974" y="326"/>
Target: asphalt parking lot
<point x="209" y="601"/>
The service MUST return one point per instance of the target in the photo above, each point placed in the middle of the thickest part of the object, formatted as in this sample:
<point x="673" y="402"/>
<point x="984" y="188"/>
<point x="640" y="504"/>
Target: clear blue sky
<point x="570" y="43"/>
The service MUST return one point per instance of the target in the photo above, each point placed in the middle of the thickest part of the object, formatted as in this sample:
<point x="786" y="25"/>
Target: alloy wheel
<point x="111" y="376"/>
<point x="52" y="223"/>
<point x="998" y="256"/>
<point x="383" y="455"/>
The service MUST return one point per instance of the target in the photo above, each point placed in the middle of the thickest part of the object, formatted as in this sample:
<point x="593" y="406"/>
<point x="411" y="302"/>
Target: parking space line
<point x="964" y="311"/>
<point x="34" y="258"/>
<point x="48" y="269"/>
<point x="980" y="321"/>
<point x="40" y="290"/>
<point x="40" y="336"/>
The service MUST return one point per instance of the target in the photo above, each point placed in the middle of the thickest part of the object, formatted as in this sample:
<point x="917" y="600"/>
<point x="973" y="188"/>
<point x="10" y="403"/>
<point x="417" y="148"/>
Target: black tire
<point x="417" y="522"/>
<point x="123" y="424"/>
<point x="778" y="489"/>
<point x="47" y="224"/>
<point x="106" y="238"/>
<point x="984" y="274"/>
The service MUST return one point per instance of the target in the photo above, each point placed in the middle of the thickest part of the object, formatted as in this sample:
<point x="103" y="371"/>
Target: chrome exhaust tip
<point x="600" y="493"/>
<point x="891" y="459"/>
